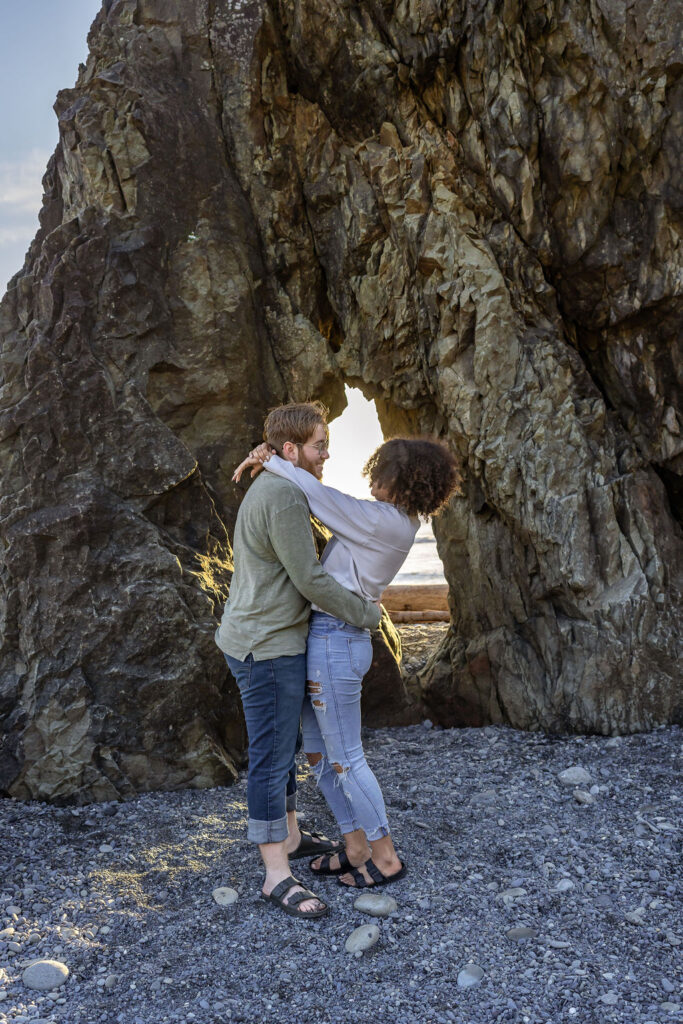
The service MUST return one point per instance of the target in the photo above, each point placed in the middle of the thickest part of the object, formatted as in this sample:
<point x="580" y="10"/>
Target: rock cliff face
<point x="468" y="208"/>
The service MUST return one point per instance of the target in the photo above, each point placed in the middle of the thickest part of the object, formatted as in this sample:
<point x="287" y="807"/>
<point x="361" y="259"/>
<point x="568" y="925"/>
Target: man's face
<point x="312" y="455"/>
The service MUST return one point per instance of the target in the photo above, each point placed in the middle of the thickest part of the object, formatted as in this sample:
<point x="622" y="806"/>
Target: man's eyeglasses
<point x="322" y="447"/>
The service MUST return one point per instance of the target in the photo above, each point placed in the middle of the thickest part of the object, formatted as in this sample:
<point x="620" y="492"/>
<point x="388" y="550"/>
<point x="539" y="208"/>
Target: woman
<point x="371" y="539"/>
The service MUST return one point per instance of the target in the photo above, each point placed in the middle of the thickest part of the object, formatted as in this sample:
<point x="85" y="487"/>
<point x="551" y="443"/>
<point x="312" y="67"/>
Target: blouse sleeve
<point x="347" y="517"/>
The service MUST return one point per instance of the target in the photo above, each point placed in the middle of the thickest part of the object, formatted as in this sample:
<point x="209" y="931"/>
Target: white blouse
<point x="371" y="539"/>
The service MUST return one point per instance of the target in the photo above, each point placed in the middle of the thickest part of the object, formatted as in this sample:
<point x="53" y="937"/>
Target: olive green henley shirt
<point x="277" y="577"/>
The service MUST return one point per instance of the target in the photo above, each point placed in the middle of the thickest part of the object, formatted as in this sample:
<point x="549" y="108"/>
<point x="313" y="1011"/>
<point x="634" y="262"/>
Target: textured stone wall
<point x="469" y="209"/>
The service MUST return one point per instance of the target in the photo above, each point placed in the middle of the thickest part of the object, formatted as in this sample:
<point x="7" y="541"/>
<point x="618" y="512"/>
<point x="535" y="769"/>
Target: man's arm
<point x="290" y="534"/>
<point x="350" y="518"/>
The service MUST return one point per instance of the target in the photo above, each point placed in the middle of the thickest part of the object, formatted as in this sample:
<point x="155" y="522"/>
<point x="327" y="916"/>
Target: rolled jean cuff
<point x="291" y="801"/>
<point x="267" y="831"/>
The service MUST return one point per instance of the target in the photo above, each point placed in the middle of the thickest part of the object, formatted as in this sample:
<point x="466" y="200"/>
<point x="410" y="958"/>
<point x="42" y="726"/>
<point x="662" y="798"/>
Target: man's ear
<point x="290" y="452"/>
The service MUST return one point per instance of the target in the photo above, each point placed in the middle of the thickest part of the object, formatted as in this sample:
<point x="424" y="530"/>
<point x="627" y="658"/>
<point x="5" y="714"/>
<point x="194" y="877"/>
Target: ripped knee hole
<point x="314" y="759"/>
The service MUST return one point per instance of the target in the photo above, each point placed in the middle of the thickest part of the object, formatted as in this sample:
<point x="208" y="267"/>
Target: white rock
<point x="106" y="848"/>
<point x="610" y="998"/>
<point x="45" y="975"/>
<point x="375" y="903"/>
<point x="574" y="776"/>
<point x="6" y="934"/>
<point x="583" y="797"/>
<point x="362" y="938"/>
<point x="470" y="976"/>
<point x="564" y="885"/>
<point x="225" y="896"/>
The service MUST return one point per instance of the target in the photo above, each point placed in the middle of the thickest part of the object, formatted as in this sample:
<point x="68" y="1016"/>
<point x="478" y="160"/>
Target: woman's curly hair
<point x="420" y="475"/>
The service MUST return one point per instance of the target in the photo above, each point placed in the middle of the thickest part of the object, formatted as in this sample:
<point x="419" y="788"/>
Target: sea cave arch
<point x="361" y="197"/>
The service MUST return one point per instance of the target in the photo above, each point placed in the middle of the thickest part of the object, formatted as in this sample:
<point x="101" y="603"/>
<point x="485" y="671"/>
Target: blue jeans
<point x="338" y="656"/>
<point x="272" y="693"/>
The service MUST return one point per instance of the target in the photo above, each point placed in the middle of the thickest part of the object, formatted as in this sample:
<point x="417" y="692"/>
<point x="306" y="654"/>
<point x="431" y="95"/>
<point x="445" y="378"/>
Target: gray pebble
<point x="45" y="975"/>
<point x="225" y="896"/>
<point x="521" y="934"/>
<point x="375" y="903"/>
<point x="574" y="776"/>
<point x="470" y="976"/>
<point x="362" y="938"/>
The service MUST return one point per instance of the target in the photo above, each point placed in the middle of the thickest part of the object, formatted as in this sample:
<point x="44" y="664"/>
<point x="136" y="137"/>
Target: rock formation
<point x="468" y="208"/>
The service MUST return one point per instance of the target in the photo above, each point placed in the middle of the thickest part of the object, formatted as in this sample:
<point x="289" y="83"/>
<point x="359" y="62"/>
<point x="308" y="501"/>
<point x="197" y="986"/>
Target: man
<point x="263" y="636"/>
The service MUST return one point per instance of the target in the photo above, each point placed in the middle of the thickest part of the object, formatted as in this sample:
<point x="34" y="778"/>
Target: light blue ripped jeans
<point x="338" y="656"/>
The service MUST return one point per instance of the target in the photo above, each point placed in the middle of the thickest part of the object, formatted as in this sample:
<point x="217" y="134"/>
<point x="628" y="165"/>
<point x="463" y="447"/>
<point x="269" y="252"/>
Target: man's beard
<point x="306" y="463"/>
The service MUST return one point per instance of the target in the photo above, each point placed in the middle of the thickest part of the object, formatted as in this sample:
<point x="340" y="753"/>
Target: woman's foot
<point x="370" y="874"/>
<point x="354" y="857"/>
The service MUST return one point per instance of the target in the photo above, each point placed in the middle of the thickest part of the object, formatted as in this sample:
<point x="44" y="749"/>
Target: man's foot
<point x="294" y="899"/>
<point x="369" y="875"/>
<point x="308" y="844"/>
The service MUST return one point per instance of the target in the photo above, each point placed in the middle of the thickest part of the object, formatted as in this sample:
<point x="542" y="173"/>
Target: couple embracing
<point x="296" y="635"/>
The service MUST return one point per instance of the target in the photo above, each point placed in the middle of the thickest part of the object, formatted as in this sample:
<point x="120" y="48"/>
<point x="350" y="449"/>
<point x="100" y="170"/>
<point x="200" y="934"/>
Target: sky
<point x="42" y="43"/>
<point x="353" y="438"/>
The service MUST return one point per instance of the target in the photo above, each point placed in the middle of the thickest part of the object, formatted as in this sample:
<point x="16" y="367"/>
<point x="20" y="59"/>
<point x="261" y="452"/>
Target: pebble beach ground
<point x="529" y="899"/>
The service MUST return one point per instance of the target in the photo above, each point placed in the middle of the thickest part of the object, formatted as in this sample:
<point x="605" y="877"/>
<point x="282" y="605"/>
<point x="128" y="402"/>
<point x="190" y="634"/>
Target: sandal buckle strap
<point x="283" y="887"/>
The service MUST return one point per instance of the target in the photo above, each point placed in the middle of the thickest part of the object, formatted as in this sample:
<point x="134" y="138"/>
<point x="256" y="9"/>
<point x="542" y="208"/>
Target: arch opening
<point x="417" y="598"/>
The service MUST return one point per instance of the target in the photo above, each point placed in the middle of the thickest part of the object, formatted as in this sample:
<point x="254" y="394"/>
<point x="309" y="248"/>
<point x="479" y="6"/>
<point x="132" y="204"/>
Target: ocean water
<point x="423" y="564"/>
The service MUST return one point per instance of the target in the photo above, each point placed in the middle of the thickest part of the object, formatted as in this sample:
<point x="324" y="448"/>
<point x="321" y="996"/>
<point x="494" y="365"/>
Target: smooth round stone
<point x="362" y="938"/>
<point x="574" y="776"/>
<point x="375" y="903"/>
<point x="470" y="976"/>
<point x="564" y="885"/>
<point x="582" y="797"/>
<point x="45" y="975"/>
<point x="521" y="934"/>
<point x="225" y="896"/>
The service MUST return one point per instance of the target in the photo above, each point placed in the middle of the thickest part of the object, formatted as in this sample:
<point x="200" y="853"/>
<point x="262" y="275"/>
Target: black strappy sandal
<point x="377" y="877"/>
<point x="312" y="843"/>
<point x="324" y="867"/>
<point x="277" y="896"/>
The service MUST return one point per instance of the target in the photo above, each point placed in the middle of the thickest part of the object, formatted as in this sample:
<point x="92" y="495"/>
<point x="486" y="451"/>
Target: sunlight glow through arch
<point x="353" y="438"/>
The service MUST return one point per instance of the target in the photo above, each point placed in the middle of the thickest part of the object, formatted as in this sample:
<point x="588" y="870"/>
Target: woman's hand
<point x="255" y="459"/>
